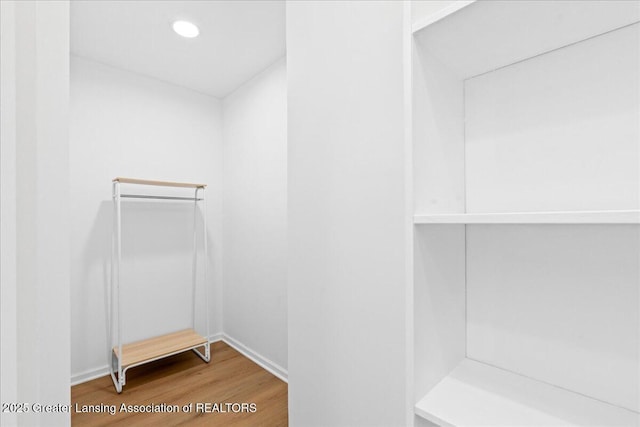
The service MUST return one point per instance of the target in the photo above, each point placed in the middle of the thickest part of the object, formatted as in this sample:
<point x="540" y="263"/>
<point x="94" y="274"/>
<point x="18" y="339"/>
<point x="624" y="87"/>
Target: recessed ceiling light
<point x="186" y="29"/>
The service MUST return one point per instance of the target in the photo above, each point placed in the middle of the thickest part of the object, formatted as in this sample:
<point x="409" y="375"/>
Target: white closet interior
<point x="502" y="270"/>
<point x="150" y="104"/>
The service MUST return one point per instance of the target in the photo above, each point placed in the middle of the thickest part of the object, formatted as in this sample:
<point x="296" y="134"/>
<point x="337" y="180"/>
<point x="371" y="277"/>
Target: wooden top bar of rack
<point x="157" y="183"/>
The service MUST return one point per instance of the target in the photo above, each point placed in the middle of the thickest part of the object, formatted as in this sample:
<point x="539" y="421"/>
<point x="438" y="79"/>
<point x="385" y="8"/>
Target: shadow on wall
<point x="156" y="271"/>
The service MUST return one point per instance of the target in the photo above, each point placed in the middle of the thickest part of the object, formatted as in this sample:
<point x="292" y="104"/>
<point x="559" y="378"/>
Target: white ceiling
<point x="237" y="39"/>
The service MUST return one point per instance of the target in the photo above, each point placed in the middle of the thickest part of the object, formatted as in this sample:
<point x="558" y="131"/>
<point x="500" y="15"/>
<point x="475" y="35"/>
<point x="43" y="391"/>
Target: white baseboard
<point x="267" y="364"/>
<point x="216" y="337"/>
<point x="89" y="375"/>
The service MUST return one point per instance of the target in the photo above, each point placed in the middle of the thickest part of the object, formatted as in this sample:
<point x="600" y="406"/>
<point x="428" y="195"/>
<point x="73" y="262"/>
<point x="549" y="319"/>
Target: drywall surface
<point x="346" y="212"/>
<point x="8" y="314"/>
<point x="35" y="277"/>
<point x="124" y="124"/>
<point x="255" y="215"/>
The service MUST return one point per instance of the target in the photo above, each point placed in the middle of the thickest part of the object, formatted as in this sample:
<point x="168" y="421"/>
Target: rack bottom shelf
<point x="475" y="394"/>
<point x="159" y="347"/>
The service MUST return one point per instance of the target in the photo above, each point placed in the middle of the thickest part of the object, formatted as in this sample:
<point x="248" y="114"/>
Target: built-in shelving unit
<point x="526" y="225"/>
<point x="128" y="355"/>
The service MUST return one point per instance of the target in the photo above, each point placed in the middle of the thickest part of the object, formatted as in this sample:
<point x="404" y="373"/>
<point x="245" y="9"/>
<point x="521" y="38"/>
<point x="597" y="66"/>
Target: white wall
<point x="124" y="124"/>
<point x="35" y="249"/>
<point x="255" y="220"/>
<point x="347" y="217"/>
<point x="8" y="315"/>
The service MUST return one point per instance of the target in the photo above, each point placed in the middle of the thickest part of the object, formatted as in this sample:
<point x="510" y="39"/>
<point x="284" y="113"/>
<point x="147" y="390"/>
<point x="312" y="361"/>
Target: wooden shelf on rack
<point x="573" y="217"/>
<point x="478" y="394"/>
<point x="160" y="346"/>
<point x="157" y="183"/>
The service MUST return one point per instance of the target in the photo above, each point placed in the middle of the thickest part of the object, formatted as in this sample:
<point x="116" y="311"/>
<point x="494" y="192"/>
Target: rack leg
<point x="206" y="356"/>
<point x="117" y="375"/>
<point x="206" y="284"/>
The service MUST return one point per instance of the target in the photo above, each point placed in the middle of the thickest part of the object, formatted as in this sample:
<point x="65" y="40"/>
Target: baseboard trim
<point x="256" y="357"/>
<point x="89" y="375"/>
<point x="216" y="337"/>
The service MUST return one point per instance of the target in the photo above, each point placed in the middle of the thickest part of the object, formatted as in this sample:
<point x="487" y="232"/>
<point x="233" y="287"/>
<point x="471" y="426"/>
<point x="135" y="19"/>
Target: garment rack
<point x="126" y="356"/>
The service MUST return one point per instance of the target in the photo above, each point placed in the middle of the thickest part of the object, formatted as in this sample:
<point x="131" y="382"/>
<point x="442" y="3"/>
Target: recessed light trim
<point x="186" y="29"/>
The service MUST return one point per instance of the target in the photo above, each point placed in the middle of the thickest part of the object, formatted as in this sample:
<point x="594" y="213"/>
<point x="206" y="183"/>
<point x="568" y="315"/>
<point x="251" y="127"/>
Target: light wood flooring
<point x="183" y="379"/>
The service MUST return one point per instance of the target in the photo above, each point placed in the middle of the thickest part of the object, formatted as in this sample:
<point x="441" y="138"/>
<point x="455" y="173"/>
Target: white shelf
<point x="575" y="217"/>
<point x="478" y="394"/>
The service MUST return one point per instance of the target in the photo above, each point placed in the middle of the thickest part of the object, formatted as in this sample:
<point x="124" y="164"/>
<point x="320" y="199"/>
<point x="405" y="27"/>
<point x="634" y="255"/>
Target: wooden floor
<point x="230" y="378"/>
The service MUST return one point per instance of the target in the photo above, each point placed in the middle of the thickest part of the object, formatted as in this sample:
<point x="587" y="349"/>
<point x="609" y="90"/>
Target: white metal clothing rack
<point x="124" y="357"/>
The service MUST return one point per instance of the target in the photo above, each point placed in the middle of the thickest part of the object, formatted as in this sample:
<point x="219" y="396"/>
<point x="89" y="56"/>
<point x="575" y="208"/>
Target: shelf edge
<point x="569" y="217"/>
